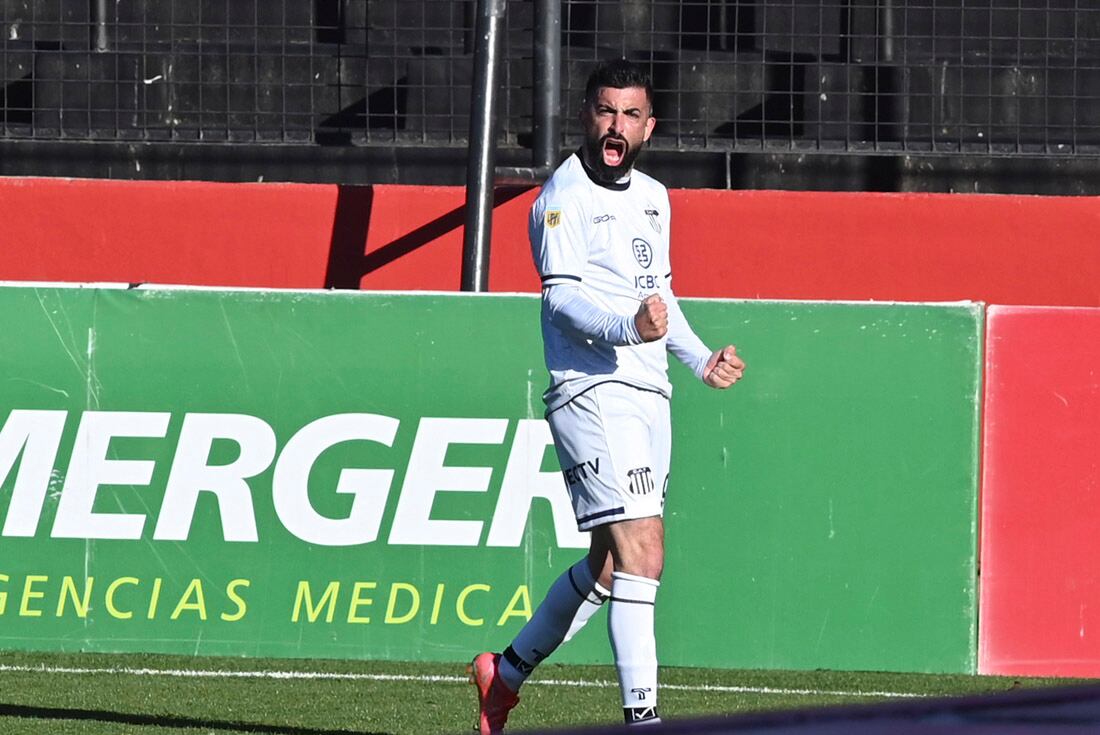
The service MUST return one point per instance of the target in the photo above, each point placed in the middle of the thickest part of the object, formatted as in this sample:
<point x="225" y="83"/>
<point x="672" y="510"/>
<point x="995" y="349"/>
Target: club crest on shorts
<point x="553" y="218"/>
<point x="643" y="253"/>
<point x="654" y="222"/>
<point x="641" y="481"/>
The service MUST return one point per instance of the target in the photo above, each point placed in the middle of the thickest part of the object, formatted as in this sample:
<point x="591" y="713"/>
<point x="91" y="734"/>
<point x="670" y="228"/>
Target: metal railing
<point x="990" y="77"/>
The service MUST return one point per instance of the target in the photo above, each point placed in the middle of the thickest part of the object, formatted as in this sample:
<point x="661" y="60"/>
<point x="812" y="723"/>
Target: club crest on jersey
<point x="653" y="215"/>
<point x="643" y="253"/>
<point x="553" y="218"/>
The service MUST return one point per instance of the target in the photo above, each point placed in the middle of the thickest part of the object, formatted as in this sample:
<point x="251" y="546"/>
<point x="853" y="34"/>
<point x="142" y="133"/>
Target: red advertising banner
<point x="890" y="247"/>
<point x="727" y="244"/>
<point x="193" y="233"/>
<point x="1040" y="550"/>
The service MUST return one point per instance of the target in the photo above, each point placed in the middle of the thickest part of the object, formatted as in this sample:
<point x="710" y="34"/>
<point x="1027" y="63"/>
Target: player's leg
<point x="638" y="551"/>
<point x="577" y="594"/>
<point x="571" y="601"/>
<point x="581" y="443"/>
<point x="642" y="433"/>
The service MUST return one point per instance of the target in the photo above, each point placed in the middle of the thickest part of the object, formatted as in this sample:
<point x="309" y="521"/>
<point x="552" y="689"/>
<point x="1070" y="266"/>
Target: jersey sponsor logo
<point x="580" y="472"/>
<point x="654" y="220"/>
<point x="643" y="253"/>
<point x="553" y="218"/>
<point x="600" y="219"/>
<point x="645" y="283"/>
<point x="641" y="480"/>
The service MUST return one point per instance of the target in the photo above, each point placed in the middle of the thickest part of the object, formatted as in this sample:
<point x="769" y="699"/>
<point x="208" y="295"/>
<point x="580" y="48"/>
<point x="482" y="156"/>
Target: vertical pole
<point x="102" y="40"/>
<point x="892" y="86"/>
<point x="886" y="31"/>
<point x="482" y="151"/>
<point x="469" y="23"/>
<point x="547" y="84"/>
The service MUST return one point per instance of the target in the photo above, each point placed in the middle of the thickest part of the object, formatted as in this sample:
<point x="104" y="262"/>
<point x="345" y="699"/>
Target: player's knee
<point x="650" y="569"/>
<point x="637" y="546"/>
<point x="642" y="562"/>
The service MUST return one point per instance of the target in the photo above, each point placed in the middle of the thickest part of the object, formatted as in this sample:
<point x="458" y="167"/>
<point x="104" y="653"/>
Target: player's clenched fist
<point x="652" y="318"/>
<point x="724" y="368"/>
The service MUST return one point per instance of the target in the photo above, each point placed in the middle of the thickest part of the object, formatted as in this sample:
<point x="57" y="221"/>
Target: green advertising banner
<point x="366" y="475"/>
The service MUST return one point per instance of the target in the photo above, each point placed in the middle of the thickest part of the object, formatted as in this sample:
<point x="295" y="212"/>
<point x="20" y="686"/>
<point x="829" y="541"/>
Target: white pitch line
<point x="330" y="675"/>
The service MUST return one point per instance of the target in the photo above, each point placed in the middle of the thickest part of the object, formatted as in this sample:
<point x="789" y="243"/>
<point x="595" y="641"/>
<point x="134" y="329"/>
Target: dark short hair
<point x="618" y="74"/>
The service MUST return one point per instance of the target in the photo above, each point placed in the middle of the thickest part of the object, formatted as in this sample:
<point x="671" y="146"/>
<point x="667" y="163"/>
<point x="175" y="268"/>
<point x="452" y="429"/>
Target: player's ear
<point x="650" y="123"/>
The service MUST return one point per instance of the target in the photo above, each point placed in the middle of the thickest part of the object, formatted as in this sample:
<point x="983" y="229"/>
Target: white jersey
<point x="600" y="250"/>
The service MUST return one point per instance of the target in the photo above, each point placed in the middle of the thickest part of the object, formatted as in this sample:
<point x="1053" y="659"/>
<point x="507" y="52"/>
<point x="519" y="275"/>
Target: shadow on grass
<point x="174" y="721"/>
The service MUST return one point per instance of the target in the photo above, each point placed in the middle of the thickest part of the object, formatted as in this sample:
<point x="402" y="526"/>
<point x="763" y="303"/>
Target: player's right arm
<point x="559" y="243"/>
<point x="572" y="311"/>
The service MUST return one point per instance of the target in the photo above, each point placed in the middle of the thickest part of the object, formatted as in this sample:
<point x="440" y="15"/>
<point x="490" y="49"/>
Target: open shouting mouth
<point x="614" y="151"/>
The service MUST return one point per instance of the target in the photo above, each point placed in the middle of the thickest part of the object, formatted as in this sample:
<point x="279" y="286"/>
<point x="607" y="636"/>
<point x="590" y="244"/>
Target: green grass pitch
<point x="93" y="694"/>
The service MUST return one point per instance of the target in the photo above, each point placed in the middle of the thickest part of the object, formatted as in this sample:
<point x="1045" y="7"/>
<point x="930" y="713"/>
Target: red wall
<point x="1040" y="572"/>
<point x="890" y="247"/>
<point x="782" y="245"/>
<point x="272" y="235"/>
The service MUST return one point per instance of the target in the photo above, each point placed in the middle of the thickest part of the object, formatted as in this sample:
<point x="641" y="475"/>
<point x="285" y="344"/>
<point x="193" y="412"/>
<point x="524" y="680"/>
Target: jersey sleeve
<point x="570" y="310"/>
<point x="559" y="240"/>
<point x="683" y="342"/>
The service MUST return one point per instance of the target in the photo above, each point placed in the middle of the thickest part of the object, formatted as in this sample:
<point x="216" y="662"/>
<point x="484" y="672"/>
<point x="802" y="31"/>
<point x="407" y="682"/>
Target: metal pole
<point x="892" y="85"/>
<point x="546" y="100"/>
<point x="886" y="31"/>
<point x="547" y="83"/>
<point x="469" y="21"/>
<point x="482" y="151"/>
<point x="102" y="40"/>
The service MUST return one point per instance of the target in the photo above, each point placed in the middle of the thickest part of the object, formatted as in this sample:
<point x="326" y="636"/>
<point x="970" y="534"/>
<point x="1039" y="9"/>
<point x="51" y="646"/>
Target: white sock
<point x="573" y="598"/>
<point x="630" y="624"/>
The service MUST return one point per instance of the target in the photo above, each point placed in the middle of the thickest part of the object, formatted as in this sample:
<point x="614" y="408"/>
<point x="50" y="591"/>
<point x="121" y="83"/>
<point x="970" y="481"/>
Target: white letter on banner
<point x="89" y="468"/>
<point x="523" y="482"/>
<point x="37" y="434"/>
<point x="191" y="475"/>
<point x="290" y="485"/>
<point x="427" y="476"/>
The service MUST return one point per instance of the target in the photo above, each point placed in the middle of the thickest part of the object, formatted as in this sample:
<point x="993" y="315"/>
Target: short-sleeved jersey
<point x="612" y="242"/>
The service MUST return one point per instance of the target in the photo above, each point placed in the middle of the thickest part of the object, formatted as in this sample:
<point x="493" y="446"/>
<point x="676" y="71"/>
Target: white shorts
<point x="613" y="443"/>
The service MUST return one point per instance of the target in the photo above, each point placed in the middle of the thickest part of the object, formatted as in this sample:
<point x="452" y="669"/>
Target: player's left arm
<point x="718" y="368"/>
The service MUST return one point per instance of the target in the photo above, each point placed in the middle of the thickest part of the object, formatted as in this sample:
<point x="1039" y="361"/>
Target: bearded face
<point x="616" y="125"/>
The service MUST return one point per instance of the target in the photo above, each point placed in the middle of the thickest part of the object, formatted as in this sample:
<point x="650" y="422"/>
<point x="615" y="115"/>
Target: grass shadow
<point x="165" y="721"/>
